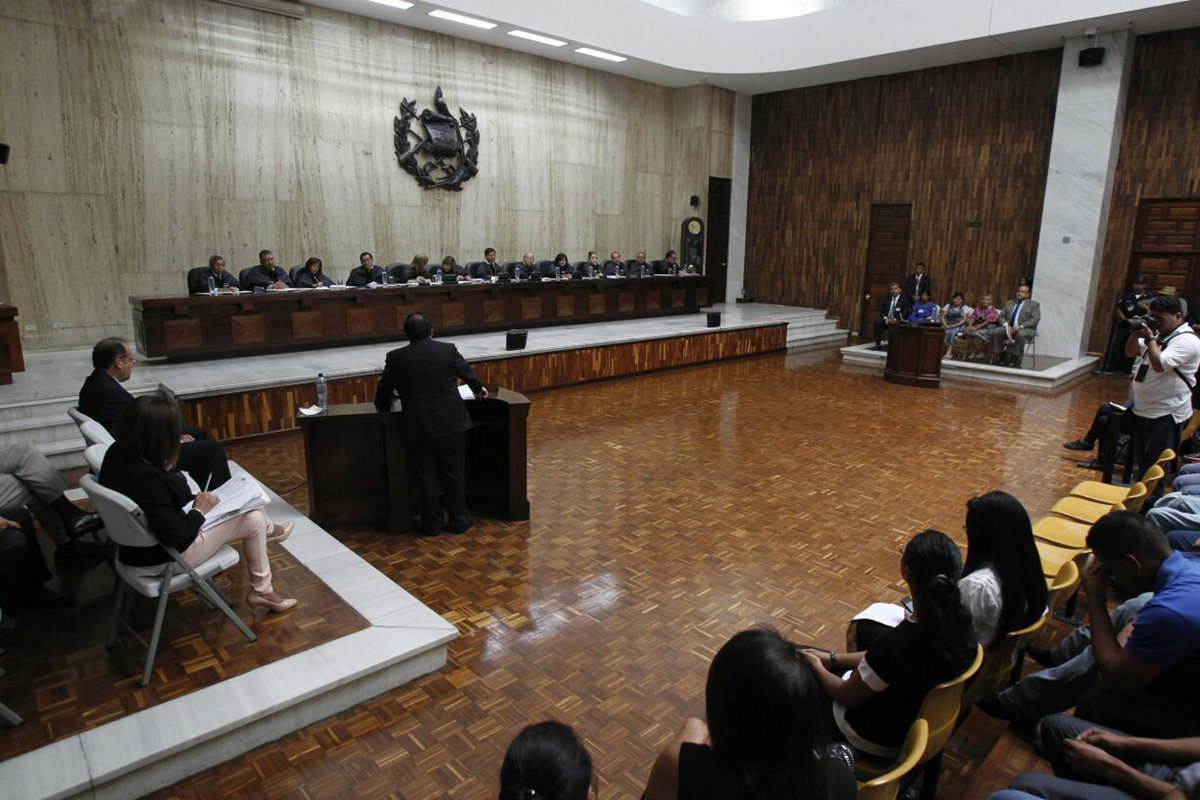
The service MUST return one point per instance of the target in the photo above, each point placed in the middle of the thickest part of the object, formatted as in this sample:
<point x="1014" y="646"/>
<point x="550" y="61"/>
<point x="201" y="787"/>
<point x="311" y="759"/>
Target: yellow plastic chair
<point x="1053" y="557"/>
<point x="940" y="710"/>
<point x="1061" y="532"/>
<point x="1103" y="492"/>
<point x="1063" y="584"/>
<point x="998" y="663"/>
<point x="1089" y="510"/>
<point x="887" y="785"/>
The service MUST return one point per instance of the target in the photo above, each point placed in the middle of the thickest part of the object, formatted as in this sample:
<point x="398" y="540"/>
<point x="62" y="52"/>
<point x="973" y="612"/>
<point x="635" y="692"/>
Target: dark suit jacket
<point x="361" y="276"/>
<point x="258" y="275"/>
<point x="103" y="398"/>
<point x="161" y="496"/>
<point x="616" y="268"/>
<point x="903" y="307"/>
<point x="198" y="280"/>
<point x="642" y="270"/>
<point x="424" y="374"/>
<point x="913" y="287"/>
<point x="485" y="270"/>
<point x="306" y="280"/>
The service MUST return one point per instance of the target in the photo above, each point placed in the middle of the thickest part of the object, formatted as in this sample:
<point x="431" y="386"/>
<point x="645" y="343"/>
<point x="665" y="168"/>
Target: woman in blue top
<point x="924" y="310"/>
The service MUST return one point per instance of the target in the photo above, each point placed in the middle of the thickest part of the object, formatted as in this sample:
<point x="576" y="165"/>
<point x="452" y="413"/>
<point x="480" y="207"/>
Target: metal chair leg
<point x="218" y="600"/>
<point x="153" y="648"/>
<point x="121" y="592"/>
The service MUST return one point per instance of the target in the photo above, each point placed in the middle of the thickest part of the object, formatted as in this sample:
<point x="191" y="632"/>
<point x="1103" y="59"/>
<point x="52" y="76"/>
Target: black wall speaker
<point x="4" y="153"/>
<point x="714" y="319"/>
<point x="695" y="201"/>
<point x="1091" y="56"/>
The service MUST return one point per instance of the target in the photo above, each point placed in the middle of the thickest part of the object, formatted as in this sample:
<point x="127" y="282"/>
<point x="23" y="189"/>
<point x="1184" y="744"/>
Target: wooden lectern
<point x="914" y="355"/>
<point x="358" y="463"/>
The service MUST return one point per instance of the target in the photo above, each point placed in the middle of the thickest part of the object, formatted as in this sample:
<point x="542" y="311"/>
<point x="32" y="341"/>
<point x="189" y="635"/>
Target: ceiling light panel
<point x="537" y="37"/>
<point x="587" y="51"/>
<point x="403" y="5"/>
<point x="464" y="20"/>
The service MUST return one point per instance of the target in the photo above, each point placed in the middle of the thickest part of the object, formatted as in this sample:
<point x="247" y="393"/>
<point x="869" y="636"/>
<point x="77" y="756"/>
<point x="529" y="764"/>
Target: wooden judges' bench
<point x="222" y="325"/>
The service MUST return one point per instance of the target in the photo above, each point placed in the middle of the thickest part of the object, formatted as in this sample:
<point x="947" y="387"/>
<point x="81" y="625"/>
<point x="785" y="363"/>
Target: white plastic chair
<point x="126" y="525"/>
<point x="95" y="433"/>
<point x="78" y="416"/>
<point x="94" y="456"/>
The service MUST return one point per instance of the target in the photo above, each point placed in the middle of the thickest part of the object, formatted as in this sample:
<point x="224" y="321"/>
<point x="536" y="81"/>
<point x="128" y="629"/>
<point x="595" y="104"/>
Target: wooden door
<point x="887" y="257"/>
<point x="717" y="250"/>
<point x="1166" y="246"/>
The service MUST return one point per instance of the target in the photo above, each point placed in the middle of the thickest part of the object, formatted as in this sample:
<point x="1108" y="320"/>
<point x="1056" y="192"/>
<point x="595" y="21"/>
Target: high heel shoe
<point x="280" y="532"/>
<point x="256" y="600"/>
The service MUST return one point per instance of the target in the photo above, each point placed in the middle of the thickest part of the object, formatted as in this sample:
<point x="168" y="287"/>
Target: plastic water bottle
<point x="322" y="391"/>
<point x="212" y="285"/>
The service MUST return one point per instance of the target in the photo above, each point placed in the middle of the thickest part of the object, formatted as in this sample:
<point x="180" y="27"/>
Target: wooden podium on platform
<point x="358" y="463"/>
<point x="914" y="355"/>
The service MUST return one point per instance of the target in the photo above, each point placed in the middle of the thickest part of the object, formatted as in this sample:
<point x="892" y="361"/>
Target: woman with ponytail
<point x="546" y="762"/>
<point x="765" y="737"/>
<point x="879" y="697"/>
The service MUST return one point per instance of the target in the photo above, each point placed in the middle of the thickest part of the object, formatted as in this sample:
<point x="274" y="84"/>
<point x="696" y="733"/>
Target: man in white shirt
<point x="1162" y="386"/>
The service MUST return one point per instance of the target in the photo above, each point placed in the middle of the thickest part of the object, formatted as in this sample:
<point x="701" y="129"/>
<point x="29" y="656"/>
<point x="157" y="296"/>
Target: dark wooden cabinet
<point x="914" y="355"/>
<point x="358" y="463"/>
<point x="12" y="357"/>
<point x="223" y="325"/>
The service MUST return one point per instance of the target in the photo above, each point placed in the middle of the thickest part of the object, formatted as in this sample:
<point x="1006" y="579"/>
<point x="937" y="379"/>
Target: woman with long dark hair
<point x="765" y="737"/>
<point x="546" y="762"/>
<point x="312" y="275"/>
<point x="880" y="695"/>
<point x="1002" y="584"/>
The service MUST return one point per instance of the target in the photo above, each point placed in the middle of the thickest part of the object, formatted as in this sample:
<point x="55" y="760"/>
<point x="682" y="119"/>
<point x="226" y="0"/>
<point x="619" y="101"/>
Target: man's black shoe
<point x="1041" y="655"/>
<point x="462" y="527"/>
<point x="83" y="524"/>
<point x="1078" y="444"/>
<point x="46" y="599"/>
<point x="1091" y="463"/>
<point x="76" y="553"/>
<point x="990" y="705"/>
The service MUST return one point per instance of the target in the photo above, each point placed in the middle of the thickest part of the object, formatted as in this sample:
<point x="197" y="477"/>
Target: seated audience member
<point x="954" y="317"/>
<point x="27" y="478"/>
<point x="877" y="701"/>
<point x="312" y="275"/>
<point x="669" y="264"/>
<point x="1147" y="686"/>
<point x="1098" y="432"/>
<point x="1002" y="584"/>
<point x="23" y="572"/>
<point x="615" y="267"/>
<point x="488" y="268"/>
<point x="265" y="275"/>
<point x="640" y="267"/>
<point x="560" y="267"/>
<point x="917" y="282"/>
<point x="924" y="311"/>
<point x="526" y="268"/>
<point x="366" y="272"/>
<point x="591" y="267"/>
<point x="142" y="466"/>
<point x="765" y="734"/>
<point x="222" y="281"/>
<point x="1096" y="763"/>
<point x="103" y="398"/>
<point x="546" y="762"/>
<point x="984" y="319"/>
<point x="894" y="308"/>
<point x="1018" y="326"/>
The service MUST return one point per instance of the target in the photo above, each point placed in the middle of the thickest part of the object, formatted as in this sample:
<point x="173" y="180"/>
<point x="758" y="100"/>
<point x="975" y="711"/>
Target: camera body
<point x="1150" y="321"/>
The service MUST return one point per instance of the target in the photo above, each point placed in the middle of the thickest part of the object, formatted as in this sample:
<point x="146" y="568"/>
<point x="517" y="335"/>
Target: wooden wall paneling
<point x="258" y="411"/>
<point x="1160" y="156"/>
<point x="964" y="143"/>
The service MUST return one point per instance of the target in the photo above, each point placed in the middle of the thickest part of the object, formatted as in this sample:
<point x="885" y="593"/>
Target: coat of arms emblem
<point x="441" y="151"/>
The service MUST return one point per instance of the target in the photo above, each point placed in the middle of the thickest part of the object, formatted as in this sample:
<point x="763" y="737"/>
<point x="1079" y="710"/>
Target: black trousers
<point x="1151" y="437"/>
<point x="439" y="466"/>
<point x="22" y="568"/>
<point x="205" y="461"/>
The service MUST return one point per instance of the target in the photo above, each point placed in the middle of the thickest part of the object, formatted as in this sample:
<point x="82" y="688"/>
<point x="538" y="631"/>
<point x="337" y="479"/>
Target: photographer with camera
<point x="1162" y="385"/>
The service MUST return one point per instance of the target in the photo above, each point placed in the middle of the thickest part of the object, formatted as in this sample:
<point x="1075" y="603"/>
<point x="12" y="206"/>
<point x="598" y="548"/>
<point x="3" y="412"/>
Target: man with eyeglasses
<point x="103" y="398"/>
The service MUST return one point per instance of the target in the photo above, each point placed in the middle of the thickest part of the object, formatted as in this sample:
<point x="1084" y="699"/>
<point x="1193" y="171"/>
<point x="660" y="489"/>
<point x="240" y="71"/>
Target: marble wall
<point x="148" y="134"/>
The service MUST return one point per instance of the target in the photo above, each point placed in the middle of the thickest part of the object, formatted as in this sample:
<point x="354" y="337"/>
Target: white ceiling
<point x="723" y="43"/>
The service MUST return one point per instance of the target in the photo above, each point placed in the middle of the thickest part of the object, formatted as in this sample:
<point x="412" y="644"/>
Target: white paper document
<point x="235" y="496"/>
<point x="888" y="614"/>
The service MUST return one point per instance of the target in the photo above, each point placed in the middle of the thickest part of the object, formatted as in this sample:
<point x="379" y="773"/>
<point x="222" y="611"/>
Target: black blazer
<point x="615" y="268"/>
<point x="424" y="374"/>
<point x="361" y="276"/>
<point x="197" y="280"/>
<point x="914" y="285"/>
<point x="306" y="280"/>
<point x="103" y="398"/>
<point x="258" y="275"/>
<point x="903" y="307"/>
<point x="161" y="496"/>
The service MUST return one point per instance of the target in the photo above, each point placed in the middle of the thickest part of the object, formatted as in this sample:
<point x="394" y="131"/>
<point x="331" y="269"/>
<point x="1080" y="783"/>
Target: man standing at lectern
<point x="424" y="376"/>
<point x="894" y="308"/>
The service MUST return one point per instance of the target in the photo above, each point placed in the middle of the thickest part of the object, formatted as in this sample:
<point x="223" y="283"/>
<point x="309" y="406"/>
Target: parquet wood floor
<point x="669" y="511"/>
<point x="75" y="683"/>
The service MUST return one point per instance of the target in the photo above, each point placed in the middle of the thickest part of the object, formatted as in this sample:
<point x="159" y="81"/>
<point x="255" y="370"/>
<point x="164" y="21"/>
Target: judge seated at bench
<point x="449" y="267"/>
<point x="312" y="275"/>
<point x="264" y="275"/>
<point x="199" y="279"/>
<point x="615" y="267"/>
<point x="366" y="272"/>
<point x="488" y="268"/>
<point x="526" y="268"/>
<point x="1019" y="322"/>
<point x="589" y="268"/>
<point x="640" y="267"/>
<point x="559" y="268"/>
<point x="669" y="264"/>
